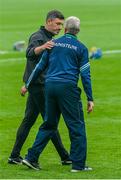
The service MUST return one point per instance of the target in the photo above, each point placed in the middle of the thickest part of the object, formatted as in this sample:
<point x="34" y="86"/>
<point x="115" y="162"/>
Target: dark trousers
<point x="62" y="98"/>
<point x="35" y="105"/>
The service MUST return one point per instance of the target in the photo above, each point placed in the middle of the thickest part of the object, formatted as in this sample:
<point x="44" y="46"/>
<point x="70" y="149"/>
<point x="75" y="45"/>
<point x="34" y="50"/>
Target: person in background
<point x="38" y="42"/>
<point x="64" y="62"/>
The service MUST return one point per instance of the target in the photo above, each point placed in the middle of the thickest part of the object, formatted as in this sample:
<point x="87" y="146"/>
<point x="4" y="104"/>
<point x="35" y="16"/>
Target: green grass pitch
<point x="100" y="27"/>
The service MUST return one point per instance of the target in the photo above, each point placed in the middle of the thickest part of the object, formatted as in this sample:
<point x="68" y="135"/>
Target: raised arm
<point x="36" y="46"/>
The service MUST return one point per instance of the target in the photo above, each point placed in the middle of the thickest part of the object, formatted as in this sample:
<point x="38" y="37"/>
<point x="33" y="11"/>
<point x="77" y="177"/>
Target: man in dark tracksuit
<point x="38" y="41"/>
<point x="67" y="59"/>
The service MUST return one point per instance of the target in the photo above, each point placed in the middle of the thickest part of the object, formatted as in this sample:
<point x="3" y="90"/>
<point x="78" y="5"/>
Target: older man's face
<point x="55" y="25"/>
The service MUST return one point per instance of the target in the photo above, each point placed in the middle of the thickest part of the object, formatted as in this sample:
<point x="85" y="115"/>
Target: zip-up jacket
<point x="64" y="62"/>
<point x="36" y="39"/>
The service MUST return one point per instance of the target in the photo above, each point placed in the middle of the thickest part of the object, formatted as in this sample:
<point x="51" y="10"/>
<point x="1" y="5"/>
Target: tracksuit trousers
<point x="62" y="97"/>
<point x="35" y="105"/>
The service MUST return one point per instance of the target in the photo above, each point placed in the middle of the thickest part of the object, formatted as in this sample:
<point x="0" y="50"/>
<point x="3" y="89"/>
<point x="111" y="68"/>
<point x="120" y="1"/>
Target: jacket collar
<point x="71" y="35"/>
<point x="48" y="33"/>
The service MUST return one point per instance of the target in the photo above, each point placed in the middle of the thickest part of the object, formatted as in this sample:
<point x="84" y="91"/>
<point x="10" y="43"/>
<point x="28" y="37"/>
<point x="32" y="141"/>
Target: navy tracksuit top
<point x="64" y="62"/>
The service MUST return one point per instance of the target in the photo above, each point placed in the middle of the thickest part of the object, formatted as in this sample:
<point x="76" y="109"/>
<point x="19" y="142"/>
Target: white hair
<point x="72" y="24"/>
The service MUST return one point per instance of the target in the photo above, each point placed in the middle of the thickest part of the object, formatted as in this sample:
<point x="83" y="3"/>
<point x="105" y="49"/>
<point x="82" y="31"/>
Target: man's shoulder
<point x="72" y="40"/>
<point x="37" y="35"/>
<point x="81" y="44"/>
<point x="58" y="39"/>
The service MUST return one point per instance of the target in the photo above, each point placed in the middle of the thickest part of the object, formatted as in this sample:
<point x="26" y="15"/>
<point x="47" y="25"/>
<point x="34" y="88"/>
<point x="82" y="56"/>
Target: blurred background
<point x="100" y="28"/>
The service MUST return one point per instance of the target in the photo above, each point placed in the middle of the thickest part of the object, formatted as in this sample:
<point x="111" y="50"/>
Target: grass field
<point x="101" y="27"/>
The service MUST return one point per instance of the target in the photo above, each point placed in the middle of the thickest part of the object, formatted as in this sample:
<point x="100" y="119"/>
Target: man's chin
<point x="56" y="33"/>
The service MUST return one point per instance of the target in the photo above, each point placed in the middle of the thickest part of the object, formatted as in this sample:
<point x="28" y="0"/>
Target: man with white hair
<point x="64" y="62"/>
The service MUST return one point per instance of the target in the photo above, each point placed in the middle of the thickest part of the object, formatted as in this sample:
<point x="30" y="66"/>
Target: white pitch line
<point x="21" y="59"/>
<point x="112" y="51"/>
<point x="11" y="59"/>
<point x="4" y="52"/>
<point x="10" y="52"/>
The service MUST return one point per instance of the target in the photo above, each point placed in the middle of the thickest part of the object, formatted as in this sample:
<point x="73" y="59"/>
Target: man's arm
<point x="36" y="46"/>
<point x="86" y="79"/>
<point x="41" y="66"/>
<point x="47" y="45"/>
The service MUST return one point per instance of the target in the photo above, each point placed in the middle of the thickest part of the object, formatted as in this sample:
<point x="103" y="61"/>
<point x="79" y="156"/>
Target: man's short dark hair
<point x="54" y="14"/>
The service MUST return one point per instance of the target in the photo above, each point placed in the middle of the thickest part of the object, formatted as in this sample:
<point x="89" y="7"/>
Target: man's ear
<point x="49" y="21"/>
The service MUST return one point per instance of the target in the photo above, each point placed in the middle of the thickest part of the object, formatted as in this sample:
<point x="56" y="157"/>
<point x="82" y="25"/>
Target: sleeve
<point x="34" y="42"/>
<point x="85" y="74"/>
<point x="41" y="66"/>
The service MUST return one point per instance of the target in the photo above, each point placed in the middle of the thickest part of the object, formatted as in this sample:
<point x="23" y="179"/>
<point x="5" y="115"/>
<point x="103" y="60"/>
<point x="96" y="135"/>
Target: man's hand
<point x="47" y="45"/>
<point x="23" y="90"/>
<point x="90" y="106"/>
